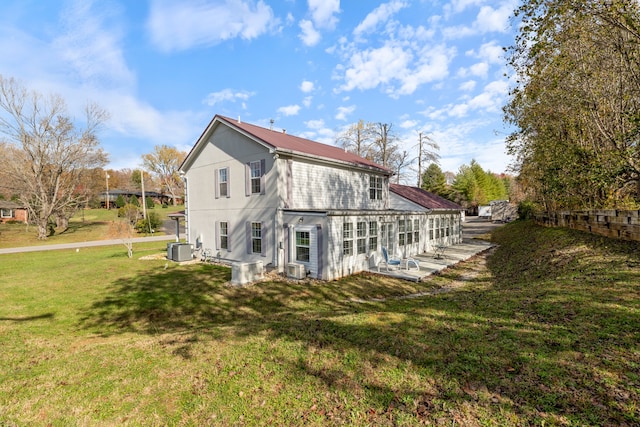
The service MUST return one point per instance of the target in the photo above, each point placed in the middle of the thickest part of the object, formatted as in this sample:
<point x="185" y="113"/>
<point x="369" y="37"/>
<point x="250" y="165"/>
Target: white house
<point x="256" y="194"/>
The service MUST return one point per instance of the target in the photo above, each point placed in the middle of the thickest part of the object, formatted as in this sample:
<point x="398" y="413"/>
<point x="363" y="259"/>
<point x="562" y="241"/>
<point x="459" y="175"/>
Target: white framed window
<point x="347" y="238"/>
<point x="224" y="234"/>
<point x="375" y="187"/>
<point x="256" y="237"/>
<point x="416" y="230"/>
<point x="361" y="233"/>
<point x="223" y="182"/>
<point x="302" y="246"/>
<point x="409" y="225"/>
<point x="373" y="235"/>
<point x="256" y="175"/>
<point x="6" y="213"/>
<point x="401" y="235"/>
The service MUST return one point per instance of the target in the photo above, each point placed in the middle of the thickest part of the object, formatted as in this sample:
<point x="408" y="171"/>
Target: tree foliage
<point x="164" y="162"/>
<point x="575" y="102"/>
<point x="48" y="155"/>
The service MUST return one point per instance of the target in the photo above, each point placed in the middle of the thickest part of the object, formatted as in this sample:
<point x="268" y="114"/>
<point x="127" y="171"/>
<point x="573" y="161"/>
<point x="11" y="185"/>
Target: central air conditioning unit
<point x="296" y="271"/>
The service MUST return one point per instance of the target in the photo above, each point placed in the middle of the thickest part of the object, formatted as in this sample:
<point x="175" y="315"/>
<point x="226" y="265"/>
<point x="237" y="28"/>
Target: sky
<point x="164" y="68"/>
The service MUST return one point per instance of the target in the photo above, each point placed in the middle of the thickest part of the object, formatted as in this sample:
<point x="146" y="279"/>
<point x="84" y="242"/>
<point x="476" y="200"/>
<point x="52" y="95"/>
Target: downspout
<point x="186" y="206"/>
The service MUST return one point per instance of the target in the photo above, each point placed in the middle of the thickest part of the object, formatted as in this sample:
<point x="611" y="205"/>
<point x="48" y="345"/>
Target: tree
<point x="48" y="153"/>
<point x="427" y="153"/>
<point x="164" y="162"/>
<point x="358" y="139"/>
<point x="576" y="102"/>
<point x="433" y="180"/>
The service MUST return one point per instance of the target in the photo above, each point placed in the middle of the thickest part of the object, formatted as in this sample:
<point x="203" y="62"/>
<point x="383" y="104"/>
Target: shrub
<point x="152" y="222"/>
<point x="130" y="212"/>
<point x="526" y="209"/>
<point x="120" y="201"/>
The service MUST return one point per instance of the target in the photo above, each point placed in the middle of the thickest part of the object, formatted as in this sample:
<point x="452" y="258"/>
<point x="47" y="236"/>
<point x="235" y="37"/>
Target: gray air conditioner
<point x="296" y="271"/>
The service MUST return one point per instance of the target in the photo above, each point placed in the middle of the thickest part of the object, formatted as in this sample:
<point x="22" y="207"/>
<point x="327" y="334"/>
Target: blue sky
<point x="164" y="68"/>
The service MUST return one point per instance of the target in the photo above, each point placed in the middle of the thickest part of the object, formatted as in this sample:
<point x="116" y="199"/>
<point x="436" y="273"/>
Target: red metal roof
<point x="283" y="141"/>
<point x="423" y="197"/>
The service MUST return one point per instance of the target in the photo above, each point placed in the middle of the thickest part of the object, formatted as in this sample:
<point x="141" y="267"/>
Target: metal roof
<point x="280" y="141"/>
<point x="424" y="198"/>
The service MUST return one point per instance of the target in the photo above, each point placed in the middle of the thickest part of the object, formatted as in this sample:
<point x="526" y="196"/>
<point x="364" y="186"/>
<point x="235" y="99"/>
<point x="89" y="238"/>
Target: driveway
<point x="168" y="237"/>
<point x="474" y="226"/>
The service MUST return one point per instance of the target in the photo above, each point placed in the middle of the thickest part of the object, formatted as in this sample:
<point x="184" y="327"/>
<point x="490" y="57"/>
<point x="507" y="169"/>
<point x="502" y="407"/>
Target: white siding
<point x="321" y="187"/>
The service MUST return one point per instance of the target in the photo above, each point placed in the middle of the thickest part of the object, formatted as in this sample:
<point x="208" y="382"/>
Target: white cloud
<point x="491" y="52"/>
<point x="182" y="25"/>
<point x="306" y="86"/>
<point x="322" y="13"/>
<point x="468" y="86"/>
<point x="226" y="95"/>
<point x="322" y="17"/>
<point x="380" y="14"/>
<point x="488" y="19"/>
<point x="289" y="110"/>
<point x="306" y="101"/>
<point x="343" y="112"/>
<point x="92" y="45"/>
<point x="315" y="124"/>
<point x="373" y="67"/>
<point x="309" y="36"/>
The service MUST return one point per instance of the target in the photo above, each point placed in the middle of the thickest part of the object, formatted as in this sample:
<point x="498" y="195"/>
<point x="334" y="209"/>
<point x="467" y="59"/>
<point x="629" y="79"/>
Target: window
<point x="256" y="175"/>
<point x="6" y="213"/>
<point x="223" y="182"/>
<point x="401" y="235"/>
<point x="347" y="238"/>
<point x="373" y="236"/>
<point x="430" y="228"/>
<point x="224" y="235"/>
<point x="416" y="230"/>
<point x="375" y="187"/>
<point x="302" y="246"/>
<point x="256" y="237"/>
<point x="409" y="232"/>
<point x="361" y="232"/>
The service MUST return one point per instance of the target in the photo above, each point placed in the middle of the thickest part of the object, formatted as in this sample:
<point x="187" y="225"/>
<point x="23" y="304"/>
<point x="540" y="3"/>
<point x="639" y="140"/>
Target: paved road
<point x="474" y="226"/>
<point x="168" y="237"/>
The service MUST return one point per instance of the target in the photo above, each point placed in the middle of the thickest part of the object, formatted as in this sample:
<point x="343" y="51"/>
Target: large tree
<point x="575" y="104"/>
<point x="49" y="153"/>
<point x="164" y="162"/>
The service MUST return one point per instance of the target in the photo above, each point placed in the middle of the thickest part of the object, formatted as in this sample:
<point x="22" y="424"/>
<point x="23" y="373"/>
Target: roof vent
<point x="239" y="121"/>
<point x="284" y="131"/>
<point x="271" y="124"/>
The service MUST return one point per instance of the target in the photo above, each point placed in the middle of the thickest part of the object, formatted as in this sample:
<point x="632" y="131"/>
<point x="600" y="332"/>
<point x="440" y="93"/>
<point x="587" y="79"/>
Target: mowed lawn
<point x="542" y="330"/>
<point x="85" y="225"/>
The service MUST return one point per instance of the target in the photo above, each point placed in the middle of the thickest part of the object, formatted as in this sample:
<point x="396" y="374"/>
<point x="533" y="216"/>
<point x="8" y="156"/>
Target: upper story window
<point x="223" y="182"/>
<point x="256" y="174"/>
<point x="255" y="177"/>
<point x="375" y="187"/>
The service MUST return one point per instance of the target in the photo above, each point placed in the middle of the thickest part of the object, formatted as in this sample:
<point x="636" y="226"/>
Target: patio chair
<point x="387" y="262"/>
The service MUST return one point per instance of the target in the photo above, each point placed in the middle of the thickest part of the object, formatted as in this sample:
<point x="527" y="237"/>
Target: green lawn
<point x="86" y="225"/>
<point x="545" y="330"/>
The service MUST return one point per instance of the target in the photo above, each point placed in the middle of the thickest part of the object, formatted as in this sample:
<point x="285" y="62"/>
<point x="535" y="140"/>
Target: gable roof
<point x="290" y="144"/>
<point x="6" y="204"/>
<point x="423" y="197"/>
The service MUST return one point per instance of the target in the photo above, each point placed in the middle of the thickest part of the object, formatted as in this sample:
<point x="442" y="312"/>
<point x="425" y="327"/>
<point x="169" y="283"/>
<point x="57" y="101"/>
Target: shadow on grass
<point x="27" y="318"/>
<point x="536" y="338"/>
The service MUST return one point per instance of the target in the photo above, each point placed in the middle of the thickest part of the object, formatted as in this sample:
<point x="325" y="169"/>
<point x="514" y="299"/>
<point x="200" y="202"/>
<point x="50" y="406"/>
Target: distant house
<point x="112" y="196"/>
<point x="11" y="211"/>
<point x="256" y="194"/>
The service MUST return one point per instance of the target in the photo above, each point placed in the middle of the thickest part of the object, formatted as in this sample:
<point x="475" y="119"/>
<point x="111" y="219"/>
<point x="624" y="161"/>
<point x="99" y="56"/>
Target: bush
<point x="526" y="209"/>
<point x="149" y="203"/>
<point x="152" y="222"/>
<point x="130" y="212"/>
<point x="120" y="201"/>
<point x="133" y="200"/>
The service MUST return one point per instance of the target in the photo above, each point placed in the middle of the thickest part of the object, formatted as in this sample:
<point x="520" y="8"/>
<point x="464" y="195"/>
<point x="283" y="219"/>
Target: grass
<point x="544" y="330"/>
<point x="86" y="225"/>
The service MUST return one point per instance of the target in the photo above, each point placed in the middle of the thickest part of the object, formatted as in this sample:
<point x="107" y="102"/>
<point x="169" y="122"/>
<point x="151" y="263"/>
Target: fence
<point x="623" y="225"/>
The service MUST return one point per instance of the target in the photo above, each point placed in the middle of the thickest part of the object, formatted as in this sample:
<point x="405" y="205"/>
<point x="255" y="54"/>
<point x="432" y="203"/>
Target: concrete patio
<point x="431" y="263"/>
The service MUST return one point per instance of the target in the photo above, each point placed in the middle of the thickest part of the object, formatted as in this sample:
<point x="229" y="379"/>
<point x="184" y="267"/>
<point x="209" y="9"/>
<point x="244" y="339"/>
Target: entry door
<point x="388" y="237"/>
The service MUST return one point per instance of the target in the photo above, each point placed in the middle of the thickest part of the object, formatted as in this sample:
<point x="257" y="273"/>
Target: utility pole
<point x="107" y="198"/>
<point x="419" y="159"/>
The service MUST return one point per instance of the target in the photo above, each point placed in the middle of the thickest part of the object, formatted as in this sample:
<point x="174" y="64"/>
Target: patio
<point x="431" y="262"/>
